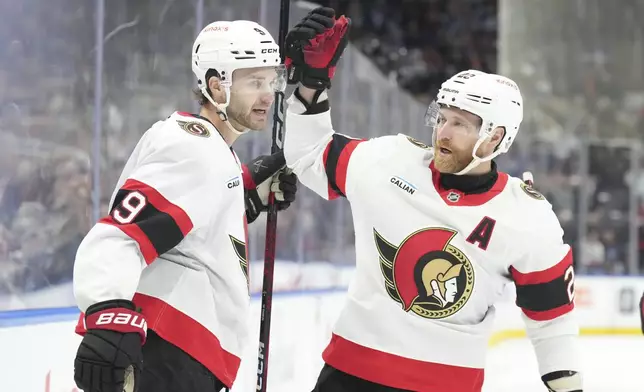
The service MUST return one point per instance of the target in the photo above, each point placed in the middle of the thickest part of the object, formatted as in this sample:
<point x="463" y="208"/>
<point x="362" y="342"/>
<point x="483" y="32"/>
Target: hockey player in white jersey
<point x="163" y="279"/>
<point x="439" y="233"/>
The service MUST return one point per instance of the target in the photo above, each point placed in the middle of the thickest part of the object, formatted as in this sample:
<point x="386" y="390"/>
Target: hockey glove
<point x="263" y="175"/>
<point x="109" y="358"/>
<point x="314" y="46"/>
<point x="563" y="381"/>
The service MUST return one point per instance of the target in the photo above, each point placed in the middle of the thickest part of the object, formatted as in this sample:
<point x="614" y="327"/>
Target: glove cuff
<point x="116" y="315"/>
<point x="316" y="78"/>
<point x="319" y="105"/>
<point x="254" y="205"/>
<point x="249" y="182"/>
<point x="563" y="381"/>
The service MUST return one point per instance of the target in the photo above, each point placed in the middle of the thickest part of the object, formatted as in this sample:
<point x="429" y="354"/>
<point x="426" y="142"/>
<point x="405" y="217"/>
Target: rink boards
<point x="301" y="327"/>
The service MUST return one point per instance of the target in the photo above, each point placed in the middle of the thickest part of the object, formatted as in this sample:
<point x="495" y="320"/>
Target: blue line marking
<point x="22" y="317"/>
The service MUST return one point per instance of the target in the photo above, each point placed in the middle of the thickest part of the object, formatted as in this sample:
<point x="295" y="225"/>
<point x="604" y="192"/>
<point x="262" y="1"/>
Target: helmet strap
<point x="221" y="110"/>
<point x="476" y="160"/>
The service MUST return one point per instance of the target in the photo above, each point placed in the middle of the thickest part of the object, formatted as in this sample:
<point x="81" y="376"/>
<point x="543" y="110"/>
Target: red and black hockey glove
<point x="314" y="46"/>
<point x="109" y="358"/>
<point x="263" y="175"/>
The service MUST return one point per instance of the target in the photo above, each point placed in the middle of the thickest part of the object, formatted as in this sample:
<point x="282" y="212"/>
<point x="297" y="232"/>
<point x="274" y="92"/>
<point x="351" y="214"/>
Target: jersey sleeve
<point x="544" y="275"/>
<point x="160" y="201"/>
<point x="329" y="163"/>
<point x="544" y="279"/>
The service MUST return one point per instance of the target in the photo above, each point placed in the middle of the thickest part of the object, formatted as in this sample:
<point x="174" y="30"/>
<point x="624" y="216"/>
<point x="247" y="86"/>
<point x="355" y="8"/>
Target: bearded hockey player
<point x="163" y="279"/>
<point x="439" y="232"/>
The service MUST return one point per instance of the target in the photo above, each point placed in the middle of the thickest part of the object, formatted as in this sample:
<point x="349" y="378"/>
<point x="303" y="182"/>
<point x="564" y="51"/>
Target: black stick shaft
<point x="271" y="220"/>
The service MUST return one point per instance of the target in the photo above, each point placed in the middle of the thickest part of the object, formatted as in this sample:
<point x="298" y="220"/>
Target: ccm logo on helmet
<point x="122" y="319"/>
<point x="270" y="50"/>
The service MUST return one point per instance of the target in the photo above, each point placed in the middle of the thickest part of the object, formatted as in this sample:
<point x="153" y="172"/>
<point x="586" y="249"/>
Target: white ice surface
<point x="611" y="364"/>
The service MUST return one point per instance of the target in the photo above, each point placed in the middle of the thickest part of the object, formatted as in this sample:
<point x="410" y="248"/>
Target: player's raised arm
<point x="544" y="279"/>
<point x="316" y="153"/>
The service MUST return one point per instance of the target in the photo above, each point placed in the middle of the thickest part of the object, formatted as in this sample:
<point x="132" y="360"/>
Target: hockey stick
<point x="271" y="220"/>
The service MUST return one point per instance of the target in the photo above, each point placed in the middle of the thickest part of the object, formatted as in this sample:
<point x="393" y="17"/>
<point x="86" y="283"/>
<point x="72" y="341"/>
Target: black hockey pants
<point x="166" y="368"/>
<point x="333" y="380"/>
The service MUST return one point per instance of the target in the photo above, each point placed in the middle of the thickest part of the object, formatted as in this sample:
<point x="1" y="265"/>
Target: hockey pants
<point x="333" y="380"/>
<point x="166" y="368"/>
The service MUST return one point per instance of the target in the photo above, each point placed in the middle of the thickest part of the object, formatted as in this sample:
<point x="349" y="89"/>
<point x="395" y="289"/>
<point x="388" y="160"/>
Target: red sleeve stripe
<point x="157" y="226"/>
<point x="542" y="276"/>
<point x="336" y="162"/>
<point x="134" y="231"/>
<point x="343" y="164"/>
<point x="549" y="314"/>
<point x="162" y="204"/>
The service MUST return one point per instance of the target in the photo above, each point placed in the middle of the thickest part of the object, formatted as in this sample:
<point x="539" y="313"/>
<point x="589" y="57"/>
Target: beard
<point x="242" y="117"/>
<point x="452" y="162"/>
<point x="239" y="118"/>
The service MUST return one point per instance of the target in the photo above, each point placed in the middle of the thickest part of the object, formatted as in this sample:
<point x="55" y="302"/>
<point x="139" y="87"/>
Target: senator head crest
<point x="426" y="274"/>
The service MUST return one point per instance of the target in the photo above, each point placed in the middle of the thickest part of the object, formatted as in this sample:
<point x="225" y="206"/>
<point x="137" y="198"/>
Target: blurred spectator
<point x="43" y="217"/>
<point x="420" y="43"/>
<point x="593" y="254"/>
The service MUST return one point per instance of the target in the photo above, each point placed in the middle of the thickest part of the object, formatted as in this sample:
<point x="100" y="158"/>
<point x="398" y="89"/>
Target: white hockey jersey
<point x="174" y="242"/>
<point x="431" y="263"/>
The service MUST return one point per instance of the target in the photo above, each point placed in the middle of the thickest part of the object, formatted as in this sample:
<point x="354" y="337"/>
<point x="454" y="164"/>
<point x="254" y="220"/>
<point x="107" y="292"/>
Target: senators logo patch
<point x="426" y="274"/>
<point x="530" y="191"/>
<point x="240" y="249"/>
<point x="194" y="128"/>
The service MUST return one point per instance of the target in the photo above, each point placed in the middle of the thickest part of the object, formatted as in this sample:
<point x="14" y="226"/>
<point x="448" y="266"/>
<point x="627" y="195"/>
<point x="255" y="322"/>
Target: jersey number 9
<point x="129" y="208"/>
